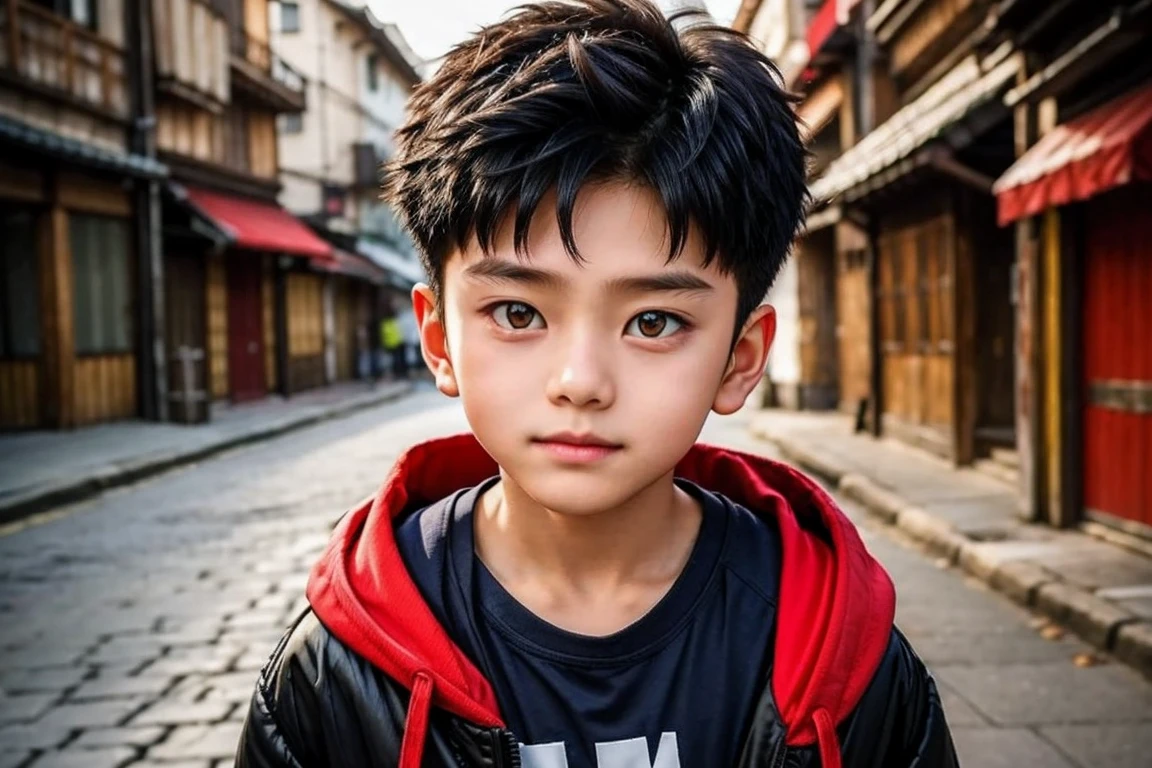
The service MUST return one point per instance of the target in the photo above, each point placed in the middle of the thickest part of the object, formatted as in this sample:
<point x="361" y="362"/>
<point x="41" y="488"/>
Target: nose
<point x="582" y="376"/>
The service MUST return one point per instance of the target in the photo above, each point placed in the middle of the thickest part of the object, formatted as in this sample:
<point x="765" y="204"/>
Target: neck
<point x="647" y="539"/>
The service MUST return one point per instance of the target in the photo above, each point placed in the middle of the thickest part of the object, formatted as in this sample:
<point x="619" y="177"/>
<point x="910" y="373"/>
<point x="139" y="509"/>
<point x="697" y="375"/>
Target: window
<point x="83" y="12"/>
<point x="19" y="288"/>
<point x="102" y="295"/>
<point x="292" y="123"/>
<point x="236" y="154"/>
<point x="373" y="73"/>
<point x="289" y="17"/>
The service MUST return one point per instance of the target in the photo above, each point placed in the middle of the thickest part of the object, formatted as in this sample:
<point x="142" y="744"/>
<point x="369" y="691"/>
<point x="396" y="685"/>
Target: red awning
<point x="822" y="26"/>
<point x="258" y="225"/>
<point x="1106" y="148"/>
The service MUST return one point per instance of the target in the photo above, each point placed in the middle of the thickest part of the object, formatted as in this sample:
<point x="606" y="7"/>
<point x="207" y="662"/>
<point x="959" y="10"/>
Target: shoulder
<point x="751" y="549"/>
<point x="307" y="659"/>
<point x="315" y="692"/>
<point x="903" y="704"/>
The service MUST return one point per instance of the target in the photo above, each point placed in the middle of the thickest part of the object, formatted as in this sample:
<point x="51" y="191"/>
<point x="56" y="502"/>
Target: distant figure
<point x="392" y="340"/>
<point x="410" y="331"/>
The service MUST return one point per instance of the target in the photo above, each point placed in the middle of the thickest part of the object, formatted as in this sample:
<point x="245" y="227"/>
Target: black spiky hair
<point x="567" y="92"/>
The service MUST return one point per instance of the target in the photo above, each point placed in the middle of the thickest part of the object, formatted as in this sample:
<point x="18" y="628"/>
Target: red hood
<point x="834" y="615"/>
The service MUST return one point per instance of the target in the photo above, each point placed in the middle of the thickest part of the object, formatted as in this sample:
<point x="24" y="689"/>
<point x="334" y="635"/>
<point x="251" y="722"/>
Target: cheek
<point x="495" y="379"/>
<point x="671" y="395"/>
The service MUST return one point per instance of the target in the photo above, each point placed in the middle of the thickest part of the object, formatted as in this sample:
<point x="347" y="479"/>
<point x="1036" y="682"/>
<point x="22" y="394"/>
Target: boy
<point x="601" y="202"/>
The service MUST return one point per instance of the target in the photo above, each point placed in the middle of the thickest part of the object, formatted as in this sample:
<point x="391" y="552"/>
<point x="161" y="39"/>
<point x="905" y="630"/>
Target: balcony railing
<point x="58" y="57"/>
<point x="192" y="53"/>
<point x="265" y="74"/>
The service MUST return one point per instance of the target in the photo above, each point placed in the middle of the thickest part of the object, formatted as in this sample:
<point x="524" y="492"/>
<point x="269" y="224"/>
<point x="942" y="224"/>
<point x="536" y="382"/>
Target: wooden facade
<point x="816" y="278"/>
<point x="853" y="317"/>
<point x="63" y="231"/>
<point x="52" y="56"/>
<point x="219" y="96"/>
<point x="346" y="298"/>
<point x="218" y="327"/>
<point x="917" y="334"/>
<point x="305" y="310"/>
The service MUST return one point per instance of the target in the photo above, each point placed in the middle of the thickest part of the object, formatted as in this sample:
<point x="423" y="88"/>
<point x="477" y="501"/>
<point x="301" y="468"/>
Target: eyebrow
<point x="500" y="271"/>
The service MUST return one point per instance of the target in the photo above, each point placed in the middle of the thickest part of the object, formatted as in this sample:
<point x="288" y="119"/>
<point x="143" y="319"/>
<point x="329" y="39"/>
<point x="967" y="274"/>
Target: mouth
<point x="570" y="447"/>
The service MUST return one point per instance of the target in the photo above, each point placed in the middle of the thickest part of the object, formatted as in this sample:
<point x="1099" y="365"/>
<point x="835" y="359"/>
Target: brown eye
<point x="516" y="316"/>
<point x="654" y="325"/>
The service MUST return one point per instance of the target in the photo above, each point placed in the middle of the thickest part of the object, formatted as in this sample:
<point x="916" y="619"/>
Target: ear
<point x="747" y="361"/>
<point x="434" y="340"/>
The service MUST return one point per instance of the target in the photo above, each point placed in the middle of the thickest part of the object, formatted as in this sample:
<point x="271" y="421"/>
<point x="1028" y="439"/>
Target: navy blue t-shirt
<point x="675" y="688"/>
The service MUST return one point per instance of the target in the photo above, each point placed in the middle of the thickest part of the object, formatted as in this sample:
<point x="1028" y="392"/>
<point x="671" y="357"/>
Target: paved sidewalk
<point x="1099" y="590"/>
<point x="41" y="470"/>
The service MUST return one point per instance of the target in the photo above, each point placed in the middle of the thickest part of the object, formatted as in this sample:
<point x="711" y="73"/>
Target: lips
<point x="573" y="449"/>
<point x="572" y="438"/>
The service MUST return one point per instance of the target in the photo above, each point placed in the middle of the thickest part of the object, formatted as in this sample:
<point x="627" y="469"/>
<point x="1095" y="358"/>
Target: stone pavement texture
<point x="133" y="627"/>
<point x="1099" y="590"/>
<point x="42" y="469"/>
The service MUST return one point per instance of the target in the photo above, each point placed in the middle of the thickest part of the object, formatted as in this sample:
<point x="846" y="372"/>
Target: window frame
<point x="296" y="119"/>
<point x="6" y="352"/>
<point x="372" y="69"/>
<point x="128" y="310"/>
<point x="296" y="17"/>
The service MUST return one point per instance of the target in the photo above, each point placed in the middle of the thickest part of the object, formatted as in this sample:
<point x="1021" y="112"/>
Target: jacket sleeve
<point x="900" y="722"/>
<point x="262" y="741"/>
<point x="280" y="724"/>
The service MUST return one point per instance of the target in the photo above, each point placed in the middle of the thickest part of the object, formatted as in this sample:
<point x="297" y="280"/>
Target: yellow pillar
<point x="1052" y="365"/>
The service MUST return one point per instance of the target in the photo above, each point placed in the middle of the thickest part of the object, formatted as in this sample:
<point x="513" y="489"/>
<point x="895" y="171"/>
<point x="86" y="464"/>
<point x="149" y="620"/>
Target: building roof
<point x="968" y="86"/>
<point x="46" y="142"/>
<point x="387" y="37"/>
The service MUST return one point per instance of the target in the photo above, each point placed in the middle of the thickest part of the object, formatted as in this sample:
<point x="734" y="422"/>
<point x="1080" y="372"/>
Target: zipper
<point x="783" y="753"/>
<point x="505" y="748"/>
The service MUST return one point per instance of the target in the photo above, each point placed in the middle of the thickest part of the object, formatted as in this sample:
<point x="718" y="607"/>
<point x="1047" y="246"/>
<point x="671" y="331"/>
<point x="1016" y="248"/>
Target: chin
<point x="578" y="492"/>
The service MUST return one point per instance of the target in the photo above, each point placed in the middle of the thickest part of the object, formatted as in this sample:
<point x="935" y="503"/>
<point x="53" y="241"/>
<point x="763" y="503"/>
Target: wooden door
<point x="816" y="283"/>
<point x="345" y="333"/>
<point x="185" y="323"/>
<point x="853" y="328"/>
<point x="245" y="327"/>
<point x="917" y="336"/>
<point x="1118" y="357"/>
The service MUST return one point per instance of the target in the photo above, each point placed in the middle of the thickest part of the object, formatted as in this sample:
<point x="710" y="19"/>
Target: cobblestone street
<point x="132" y="627"/>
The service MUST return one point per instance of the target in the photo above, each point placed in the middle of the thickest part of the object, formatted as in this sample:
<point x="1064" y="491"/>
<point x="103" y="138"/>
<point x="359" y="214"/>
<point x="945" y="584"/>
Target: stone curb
<point x="99" y="479"/>
<point x="1099" y="622"/>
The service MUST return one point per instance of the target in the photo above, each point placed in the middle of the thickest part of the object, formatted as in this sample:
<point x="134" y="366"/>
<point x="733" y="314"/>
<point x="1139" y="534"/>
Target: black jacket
<point x="366" y="677"/>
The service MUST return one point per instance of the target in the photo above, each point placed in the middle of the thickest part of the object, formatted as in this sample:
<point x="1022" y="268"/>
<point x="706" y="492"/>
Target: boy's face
<point x="624" y="350"/>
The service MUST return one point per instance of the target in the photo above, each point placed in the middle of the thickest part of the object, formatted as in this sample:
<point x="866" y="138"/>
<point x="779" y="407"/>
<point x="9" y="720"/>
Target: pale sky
<point x="431" y="27"/>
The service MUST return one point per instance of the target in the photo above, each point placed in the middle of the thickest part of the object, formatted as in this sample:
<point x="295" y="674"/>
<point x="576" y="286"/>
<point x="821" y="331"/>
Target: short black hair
<point x="563" y="93"/>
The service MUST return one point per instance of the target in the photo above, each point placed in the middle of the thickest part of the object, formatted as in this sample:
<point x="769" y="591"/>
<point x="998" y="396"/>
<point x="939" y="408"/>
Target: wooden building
<point x="1077" y="202"/>
<point x="242" y="272"/>
<point x="75" y="233"/>
<point x="918" y="186"/>
<point x="359" y="74"/>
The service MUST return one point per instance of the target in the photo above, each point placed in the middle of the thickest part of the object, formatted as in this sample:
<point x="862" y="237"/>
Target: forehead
<point x="619" y="230"/>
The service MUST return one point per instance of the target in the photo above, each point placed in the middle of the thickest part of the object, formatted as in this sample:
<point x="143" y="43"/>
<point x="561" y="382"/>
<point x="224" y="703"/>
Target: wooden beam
<point x="1053" y="412"/>
<point x="57" y="321"/>
<point x="25" y="185"/>
<point x="13" y="10"/>
<point x="964" y="400"/>
<point x="78" y="192"/>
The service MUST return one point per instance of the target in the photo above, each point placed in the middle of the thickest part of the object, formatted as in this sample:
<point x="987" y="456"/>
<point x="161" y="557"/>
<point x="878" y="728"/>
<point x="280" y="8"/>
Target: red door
<point x="1118" y="357"/>
<point x="245" y="327"/>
